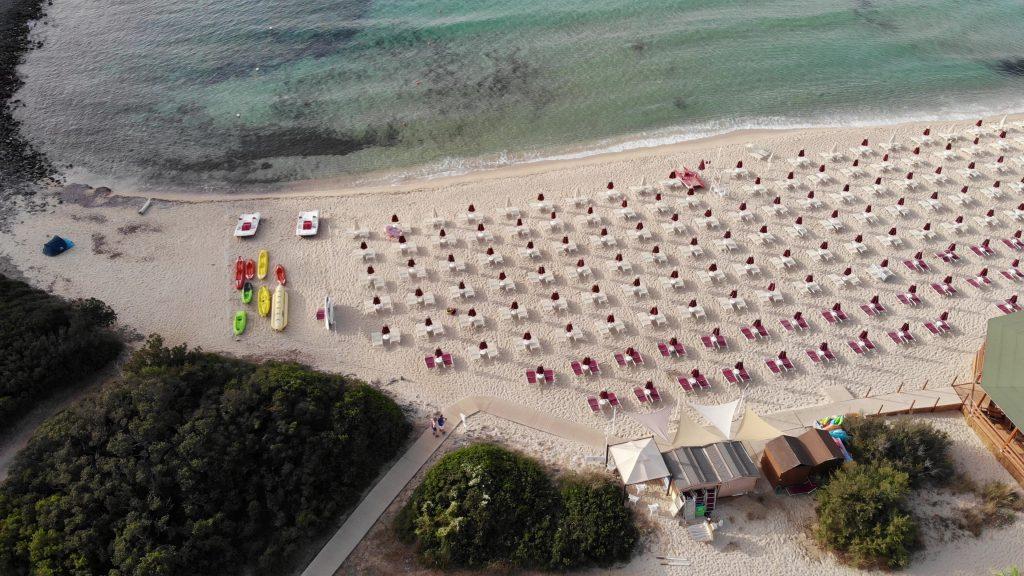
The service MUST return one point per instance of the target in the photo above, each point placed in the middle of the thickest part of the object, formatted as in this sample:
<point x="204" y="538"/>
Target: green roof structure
<point x="1002" y="375"/>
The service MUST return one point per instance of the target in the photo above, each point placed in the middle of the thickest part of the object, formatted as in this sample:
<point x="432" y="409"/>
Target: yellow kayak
<point x="279" y="309"/>
<point x="263" y="301"/>
<point x="263" y="264"/>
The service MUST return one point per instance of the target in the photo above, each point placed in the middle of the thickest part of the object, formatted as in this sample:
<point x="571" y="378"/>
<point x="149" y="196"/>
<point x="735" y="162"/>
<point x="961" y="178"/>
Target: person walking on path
<point x="440" y="422"/>
<point x="433" y="426"/>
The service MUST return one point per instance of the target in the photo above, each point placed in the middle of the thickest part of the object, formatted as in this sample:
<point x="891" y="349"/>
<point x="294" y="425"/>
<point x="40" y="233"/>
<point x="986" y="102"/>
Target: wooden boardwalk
<point x="903" y="402"/>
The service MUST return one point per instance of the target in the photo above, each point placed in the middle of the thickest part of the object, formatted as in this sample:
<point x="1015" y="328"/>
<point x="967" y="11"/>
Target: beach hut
<point x="993" y="402"/>
<point x="793" y="460"/>
<point x="701" y="474"/>
<point x="637" y="461"/>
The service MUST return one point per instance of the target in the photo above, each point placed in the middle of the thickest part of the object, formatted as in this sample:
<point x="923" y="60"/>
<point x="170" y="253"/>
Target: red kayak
<point x="239" y="273"/>
<point x="250" y="269"/>
<point x="279" y="272"/>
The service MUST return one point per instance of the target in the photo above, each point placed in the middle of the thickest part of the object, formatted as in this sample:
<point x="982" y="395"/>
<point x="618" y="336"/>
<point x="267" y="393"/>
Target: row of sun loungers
<point x="821" y="355"/>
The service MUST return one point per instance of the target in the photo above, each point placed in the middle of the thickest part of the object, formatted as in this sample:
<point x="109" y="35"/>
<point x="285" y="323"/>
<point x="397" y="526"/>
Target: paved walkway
<point x="366" y="514"/>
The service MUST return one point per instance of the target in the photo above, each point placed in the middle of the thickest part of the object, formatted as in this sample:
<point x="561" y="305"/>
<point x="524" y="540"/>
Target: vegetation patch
<point x="48" y="343"/>
<point x="917" y="448"/>
<point x="484" y="507"/>
<point x="194" y="463"/>
<point x="863" y="512"/>
<point x="863" y="519"/>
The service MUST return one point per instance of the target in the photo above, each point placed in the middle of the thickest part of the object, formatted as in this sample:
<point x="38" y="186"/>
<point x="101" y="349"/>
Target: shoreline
<point x="24" y="165"/>
<point x="356" y="185"/>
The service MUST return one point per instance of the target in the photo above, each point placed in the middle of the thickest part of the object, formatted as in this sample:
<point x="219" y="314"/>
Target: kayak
<point x="239" y="273"/>
<point x="279" y="309"/>
<point x="239" y="323"/>
<point x="250" y="269"/>
<point x="263" y="301"/>
<point x="263" y="264"/>
<point x="247" y="293"/>
<point x="279" y="272"/>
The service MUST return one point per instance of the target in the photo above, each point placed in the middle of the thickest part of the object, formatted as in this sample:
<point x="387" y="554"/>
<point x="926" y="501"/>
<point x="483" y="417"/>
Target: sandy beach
<point x="170" y="272"/>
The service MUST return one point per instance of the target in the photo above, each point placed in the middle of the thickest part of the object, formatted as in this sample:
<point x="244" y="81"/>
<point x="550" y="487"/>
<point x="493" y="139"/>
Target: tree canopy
<point x="48" y="343"/>
<point x="484" y="506"/>
<point x="862" y="516"/>
<point x="194" y="463"/>
<point x="917" y="448"/>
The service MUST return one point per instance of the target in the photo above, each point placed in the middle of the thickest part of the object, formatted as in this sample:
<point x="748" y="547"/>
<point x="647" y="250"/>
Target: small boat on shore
<point x="279" y="272"/>
<point x="238" y="324"/>
<point x="308" y="223"/>
<point x="262" y="264"/>
<point x="246" y="225"/>
<point x="250" y="269"/>
<point x="263" y="301"/>
<point x="239" y="273"/>
<point x="279" y="309"/>
<point x="247" y="293"/>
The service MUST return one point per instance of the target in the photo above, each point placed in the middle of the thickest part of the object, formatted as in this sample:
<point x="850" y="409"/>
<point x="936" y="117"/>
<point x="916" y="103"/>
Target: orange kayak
<point x="279" y="272"/>
<point x="250" y="269"/>
<point x="239" y="273"/>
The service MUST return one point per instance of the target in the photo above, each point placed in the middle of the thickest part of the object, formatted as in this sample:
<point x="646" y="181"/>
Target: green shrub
<point x="485" y="506"/>
<point x="917" y="448"/>
<point x="482" y="505"/>
<point x="47" y="343"/>
<point x="861" y="516"/>
<point x="1000" y="503"/>
<point x="594" y="527"/>
<point x="193" y="464"/>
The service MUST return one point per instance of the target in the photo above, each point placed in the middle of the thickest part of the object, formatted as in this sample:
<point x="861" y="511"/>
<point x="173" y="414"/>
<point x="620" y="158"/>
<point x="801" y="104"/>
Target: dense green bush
<point x="47" y="343"/>
<point x="480" y="505"/>
<point x="594" y="526"/>
<point x="917" y="448"/>
<point x="862" y="518"/>
<point x="485" y="506"/>
<point x="193" y="464"/>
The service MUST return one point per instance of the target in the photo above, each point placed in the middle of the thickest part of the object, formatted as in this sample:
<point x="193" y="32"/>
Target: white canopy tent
<point x="638" y="461"/>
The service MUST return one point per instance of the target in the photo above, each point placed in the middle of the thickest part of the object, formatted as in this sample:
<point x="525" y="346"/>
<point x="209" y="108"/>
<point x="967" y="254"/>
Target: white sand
<point x="174" y="276"/>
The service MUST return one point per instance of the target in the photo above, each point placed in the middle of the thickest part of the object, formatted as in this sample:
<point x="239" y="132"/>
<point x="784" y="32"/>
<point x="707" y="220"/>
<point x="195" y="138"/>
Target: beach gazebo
<point x="993" y="402"/>
<point x="638" y="461"/>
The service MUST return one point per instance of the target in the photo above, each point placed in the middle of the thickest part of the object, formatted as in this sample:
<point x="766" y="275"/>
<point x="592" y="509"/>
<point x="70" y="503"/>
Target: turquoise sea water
<point x="229" y="94"/>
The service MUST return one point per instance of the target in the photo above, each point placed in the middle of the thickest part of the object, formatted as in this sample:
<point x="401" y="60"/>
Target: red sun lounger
<point x="577" y="369"/>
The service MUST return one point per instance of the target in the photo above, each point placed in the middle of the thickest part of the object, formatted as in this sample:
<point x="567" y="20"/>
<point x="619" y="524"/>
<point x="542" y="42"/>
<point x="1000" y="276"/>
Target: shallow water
<point x="231" y="94"/>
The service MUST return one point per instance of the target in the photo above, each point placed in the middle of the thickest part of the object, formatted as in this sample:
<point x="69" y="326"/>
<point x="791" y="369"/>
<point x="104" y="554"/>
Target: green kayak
<point x="239" y="325"/>
<point x="247" y="293"/>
